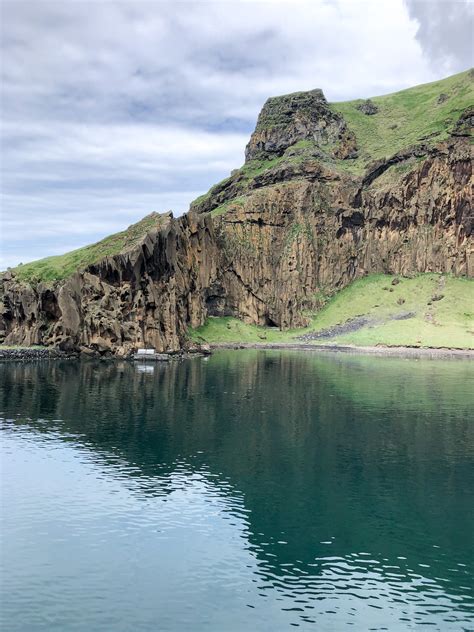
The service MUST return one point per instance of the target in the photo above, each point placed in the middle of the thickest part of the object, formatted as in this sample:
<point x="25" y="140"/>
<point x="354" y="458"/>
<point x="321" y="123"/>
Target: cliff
<point x="328" y="193"/>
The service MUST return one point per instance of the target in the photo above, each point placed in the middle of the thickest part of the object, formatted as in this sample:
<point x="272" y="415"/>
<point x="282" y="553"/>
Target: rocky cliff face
<point x="287" y="245"/>
<point x="267" y="245"/>
<point x="147" y="296"/>
<point x="303" y="116"/>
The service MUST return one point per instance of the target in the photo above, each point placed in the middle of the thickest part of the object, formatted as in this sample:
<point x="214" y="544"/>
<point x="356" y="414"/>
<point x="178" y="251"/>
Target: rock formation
<point x="293" y="225"/>
<point x="286" y="120"/>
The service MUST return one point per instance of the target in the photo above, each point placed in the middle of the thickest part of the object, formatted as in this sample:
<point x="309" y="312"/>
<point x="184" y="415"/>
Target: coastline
<point x="406" y="352"/>
<point x="24" y="354"/>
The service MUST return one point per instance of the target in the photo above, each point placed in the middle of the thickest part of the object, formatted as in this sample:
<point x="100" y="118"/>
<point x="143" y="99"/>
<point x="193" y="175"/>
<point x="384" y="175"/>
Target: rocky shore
<point x="45" y="353"/>
<point x="53" y="353"/>
<point x="35" y="353"/>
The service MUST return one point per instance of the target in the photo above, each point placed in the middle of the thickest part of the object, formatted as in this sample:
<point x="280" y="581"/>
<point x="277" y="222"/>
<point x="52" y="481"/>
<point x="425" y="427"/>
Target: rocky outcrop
<point x="465" y="123"/>
<point x="145" y="297"/>
<point x="296" y="117"/>
<point x="368" y="107"/>
<point x="265" y="246"/>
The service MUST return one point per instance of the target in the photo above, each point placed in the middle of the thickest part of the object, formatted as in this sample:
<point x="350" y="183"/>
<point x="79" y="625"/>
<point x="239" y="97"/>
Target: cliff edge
<point x="328" y="193"/>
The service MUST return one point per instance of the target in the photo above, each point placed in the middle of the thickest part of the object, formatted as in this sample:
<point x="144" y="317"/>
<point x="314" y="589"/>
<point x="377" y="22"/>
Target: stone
<point x="286" y="120"/>
<point x="368" y="107"/>
<point x="87" y="351"/>
<point x="465" y="124"/>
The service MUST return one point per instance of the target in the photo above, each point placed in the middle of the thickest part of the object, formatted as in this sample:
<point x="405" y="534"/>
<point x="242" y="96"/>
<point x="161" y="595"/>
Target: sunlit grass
<point x="62" y="266"/>
<point x="447" y="322"/>
<point x="407" y="117"/>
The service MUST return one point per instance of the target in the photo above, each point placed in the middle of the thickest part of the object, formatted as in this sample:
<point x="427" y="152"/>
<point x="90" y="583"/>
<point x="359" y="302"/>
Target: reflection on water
<point x="250" y="491"/>
<point x="142" y="367"/>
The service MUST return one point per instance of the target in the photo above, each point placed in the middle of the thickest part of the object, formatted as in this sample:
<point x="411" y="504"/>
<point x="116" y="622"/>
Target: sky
<point x="113" y="109"/>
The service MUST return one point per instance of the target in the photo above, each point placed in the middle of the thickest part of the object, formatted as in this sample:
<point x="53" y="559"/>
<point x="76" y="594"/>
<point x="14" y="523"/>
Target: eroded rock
<point x="289" y="235"/>
<point x="368" y="107"/>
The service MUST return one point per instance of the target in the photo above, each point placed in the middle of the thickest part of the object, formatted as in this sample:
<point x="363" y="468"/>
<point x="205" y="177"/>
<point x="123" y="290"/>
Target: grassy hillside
<point x="426" y="113"/>
<point x="435" y="311"/>
<point x="423" y="113"/>
<point x="62" y="266"/>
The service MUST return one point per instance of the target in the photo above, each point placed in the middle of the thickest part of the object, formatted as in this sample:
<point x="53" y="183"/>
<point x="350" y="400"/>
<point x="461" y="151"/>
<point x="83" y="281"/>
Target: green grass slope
<point x="424" y="113"/>
<point x="62" y="266"/>
<point x="446" y="321"/>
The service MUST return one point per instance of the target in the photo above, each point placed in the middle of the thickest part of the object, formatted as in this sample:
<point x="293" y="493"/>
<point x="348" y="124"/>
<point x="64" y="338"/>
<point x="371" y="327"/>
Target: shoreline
<point x="395" y="351"/>
<point x="51" y="353"/>
<point x="25" y="354"/>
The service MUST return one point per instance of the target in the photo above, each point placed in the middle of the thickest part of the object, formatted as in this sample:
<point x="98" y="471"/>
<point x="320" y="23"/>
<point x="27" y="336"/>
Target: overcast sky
<point x="111" y="110"/>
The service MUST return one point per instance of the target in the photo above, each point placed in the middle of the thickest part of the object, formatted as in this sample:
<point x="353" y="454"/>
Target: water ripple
<point x="179" y="513"/>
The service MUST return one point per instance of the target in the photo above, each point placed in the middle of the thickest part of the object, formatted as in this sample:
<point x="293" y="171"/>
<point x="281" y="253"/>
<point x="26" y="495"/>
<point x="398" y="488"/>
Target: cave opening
<point x="269" y="322"/>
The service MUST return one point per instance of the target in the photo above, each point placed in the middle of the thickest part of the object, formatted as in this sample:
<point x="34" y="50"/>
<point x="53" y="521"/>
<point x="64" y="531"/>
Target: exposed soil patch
<point x="354" y="324"/>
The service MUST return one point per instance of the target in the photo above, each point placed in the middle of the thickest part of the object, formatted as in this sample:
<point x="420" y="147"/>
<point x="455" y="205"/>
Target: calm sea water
<point x="249" y="491"/>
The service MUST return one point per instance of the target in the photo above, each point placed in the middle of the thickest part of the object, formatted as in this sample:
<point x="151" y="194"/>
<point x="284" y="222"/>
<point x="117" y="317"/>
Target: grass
<point x="223" y="208"/>
<point x="407" y="117"/>
<point x="227" y="329"/>
<point x="448" y="322"/>
<point x="445" y="323"/>
<point x="240" y="179"/>
<point x="403" y="119"/>
<point x="62" y="266"/>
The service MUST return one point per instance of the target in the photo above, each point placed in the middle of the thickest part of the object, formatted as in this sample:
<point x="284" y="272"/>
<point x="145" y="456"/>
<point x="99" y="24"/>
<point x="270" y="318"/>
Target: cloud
<point x="68" y="184"/>
<point x="445" y="31"/>
<point x="113" y="109"/>
<point x="90" y="216"/>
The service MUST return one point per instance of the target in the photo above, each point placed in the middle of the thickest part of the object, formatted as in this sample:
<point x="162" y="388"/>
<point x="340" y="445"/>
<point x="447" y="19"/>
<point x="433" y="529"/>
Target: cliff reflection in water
<point x="332" y="457"/>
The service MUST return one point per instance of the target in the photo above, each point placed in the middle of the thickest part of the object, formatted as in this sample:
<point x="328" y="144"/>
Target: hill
<point x="63" y="266"/>
<point x="373" y="130"/>
<point x="330" y="195"/>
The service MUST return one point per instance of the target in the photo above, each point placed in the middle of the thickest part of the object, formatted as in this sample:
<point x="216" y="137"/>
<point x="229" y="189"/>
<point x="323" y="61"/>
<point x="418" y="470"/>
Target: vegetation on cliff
<point x="62" y="266"/>
<point x="329" y="195"/>
<point x="429" y="310"/>
<point x="423" y="114"/>
<point x="420" y="116"/>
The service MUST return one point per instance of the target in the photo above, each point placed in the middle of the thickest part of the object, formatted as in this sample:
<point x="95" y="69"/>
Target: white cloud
<point x="113" y="109"/>
<point x="445" y="31"/>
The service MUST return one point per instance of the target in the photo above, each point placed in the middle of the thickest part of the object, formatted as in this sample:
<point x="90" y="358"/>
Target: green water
<point x="252" y="491"/>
